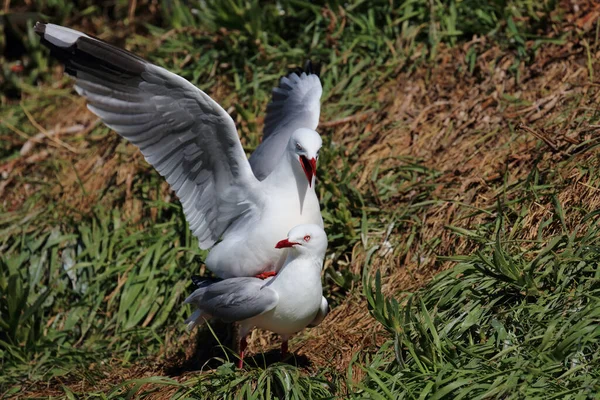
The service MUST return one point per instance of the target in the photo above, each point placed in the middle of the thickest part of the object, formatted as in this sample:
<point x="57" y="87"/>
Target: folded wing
<point x="295" y="104"/>
<point x="321" y="314"/>
<point x="234" y="299"/>
<point x="180" y="130"/>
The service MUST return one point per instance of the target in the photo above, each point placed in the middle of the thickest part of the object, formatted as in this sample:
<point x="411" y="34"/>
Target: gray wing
<point x="234" y="299"/>
<point x="321" y="314"/>
<point x="295" y="104"/>
<point x="180" y="130"/>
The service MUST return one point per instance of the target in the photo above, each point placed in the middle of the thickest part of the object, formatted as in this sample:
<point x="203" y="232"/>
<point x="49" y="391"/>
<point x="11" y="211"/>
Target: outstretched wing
<point x="234" y="299"/>
<point x="296" y="104"/>
<point x="180" y="130"/>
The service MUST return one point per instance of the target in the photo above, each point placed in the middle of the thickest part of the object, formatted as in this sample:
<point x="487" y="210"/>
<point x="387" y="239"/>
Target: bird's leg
<point x="284" y="347"/>
<point x="236" y="336"/>
<point x="265" y="275"/>
<point x="243" y="345"/>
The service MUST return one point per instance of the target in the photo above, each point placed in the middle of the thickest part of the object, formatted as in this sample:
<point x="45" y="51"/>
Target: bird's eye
<point x="307" y="238"/>
<point x="298" y="147"/>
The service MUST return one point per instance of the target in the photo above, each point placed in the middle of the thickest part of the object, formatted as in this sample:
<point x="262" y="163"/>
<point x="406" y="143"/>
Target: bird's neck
<point x="300" y="269"/>
<point x="288" y="173"/>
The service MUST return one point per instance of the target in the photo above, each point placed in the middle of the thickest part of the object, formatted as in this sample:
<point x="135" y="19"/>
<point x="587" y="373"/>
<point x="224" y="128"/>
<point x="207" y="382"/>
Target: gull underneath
<point x="284" y="304"/>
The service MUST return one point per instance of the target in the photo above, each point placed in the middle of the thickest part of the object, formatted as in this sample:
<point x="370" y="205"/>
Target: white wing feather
<point x="296" y="104"/>
<point x="180" y="130"/>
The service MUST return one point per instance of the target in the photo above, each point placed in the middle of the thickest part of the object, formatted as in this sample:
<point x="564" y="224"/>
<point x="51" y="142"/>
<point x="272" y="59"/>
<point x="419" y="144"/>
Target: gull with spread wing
<point x="194" y="144"/>
<point x="284" y="304"/>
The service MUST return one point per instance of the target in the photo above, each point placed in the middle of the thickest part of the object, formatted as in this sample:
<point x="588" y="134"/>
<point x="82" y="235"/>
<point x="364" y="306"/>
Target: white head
<point x="306" y="239"/>
<point x="305" y="145"/>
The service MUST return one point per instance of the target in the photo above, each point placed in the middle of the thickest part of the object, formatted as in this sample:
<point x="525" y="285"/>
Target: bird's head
<point x="305" y="145"/>
<point x="308" y="239"/>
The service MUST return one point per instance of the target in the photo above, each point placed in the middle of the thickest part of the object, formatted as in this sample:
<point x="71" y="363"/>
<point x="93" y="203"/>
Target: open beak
<point x="285" y="243"/>
<point x="309" y="167"/>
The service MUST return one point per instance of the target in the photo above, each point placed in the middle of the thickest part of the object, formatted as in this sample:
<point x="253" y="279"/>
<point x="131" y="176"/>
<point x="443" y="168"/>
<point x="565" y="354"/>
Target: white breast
<point x="300" y="291"/>
<point x="249" y="249"/>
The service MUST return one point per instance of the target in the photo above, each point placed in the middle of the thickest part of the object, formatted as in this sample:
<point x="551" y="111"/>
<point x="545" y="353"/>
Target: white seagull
<point x="194" y="144"/>
<point x="284" y="304"/>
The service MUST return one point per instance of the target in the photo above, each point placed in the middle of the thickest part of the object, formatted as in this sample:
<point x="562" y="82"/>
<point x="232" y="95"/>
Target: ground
<point x="436" y="155"/>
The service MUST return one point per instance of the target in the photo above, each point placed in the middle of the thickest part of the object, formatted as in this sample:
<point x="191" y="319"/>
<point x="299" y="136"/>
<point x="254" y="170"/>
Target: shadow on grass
<point x="216" y="345"/>
<point x="264" y="360"/>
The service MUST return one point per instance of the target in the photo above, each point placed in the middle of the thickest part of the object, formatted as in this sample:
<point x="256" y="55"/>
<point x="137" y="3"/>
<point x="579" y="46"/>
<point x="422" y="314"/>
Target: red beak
<point x="309" y="167"/>
<point x="284" y="243"/>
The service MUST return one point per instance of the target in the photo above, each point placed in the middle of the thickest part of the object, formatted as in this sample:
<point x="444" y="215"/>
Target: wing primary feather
<point x="295" y="104"/>
<point x="180" y="130"/>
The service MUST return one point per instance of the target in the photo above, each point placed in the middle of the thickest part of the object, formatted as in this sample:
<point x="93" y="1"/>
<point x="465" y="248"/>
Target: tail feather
<point x="197" y="318"/>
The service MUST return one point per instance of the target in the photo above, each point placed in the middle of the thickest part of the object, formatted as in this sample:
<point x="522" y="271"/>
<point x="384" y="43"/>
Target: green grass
<point x="73" y="274"/>
<point x="506" y="322"/>
<point x="84" y="293"/>
<point x="517" y="318"/>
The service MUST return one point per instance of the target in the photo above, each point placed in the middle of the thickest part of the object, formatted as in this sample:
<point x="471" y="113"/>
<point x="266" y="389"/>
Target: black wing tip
<point x="311" y="68"/>
<point x="40" y="28"/>
<point x="197" y="280"/>
<point x="202" y="281"/>
<point x="93" y="55"/>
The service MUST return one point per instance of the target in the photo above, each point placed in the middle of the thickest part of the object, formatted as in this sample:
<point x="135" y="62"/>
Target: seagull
<point x="236" y="208"/>
<point x="296" y="104"/>
<point x="284" y="304"/>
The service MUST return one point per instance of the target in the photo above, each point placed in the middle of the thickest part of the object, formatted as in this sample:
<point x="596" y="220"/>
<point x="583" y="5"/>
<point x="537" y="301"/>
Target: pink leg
<point x="284" y="348"/>
<point x="266" y="275"/>
<point x="243" y="345"/>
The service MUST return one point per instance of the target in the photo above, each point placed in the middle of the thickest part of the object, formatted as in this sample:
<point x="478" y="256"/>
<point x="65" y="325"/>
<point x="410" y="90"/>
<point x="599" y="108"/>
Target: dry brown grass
<point x="465" y="126"/>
